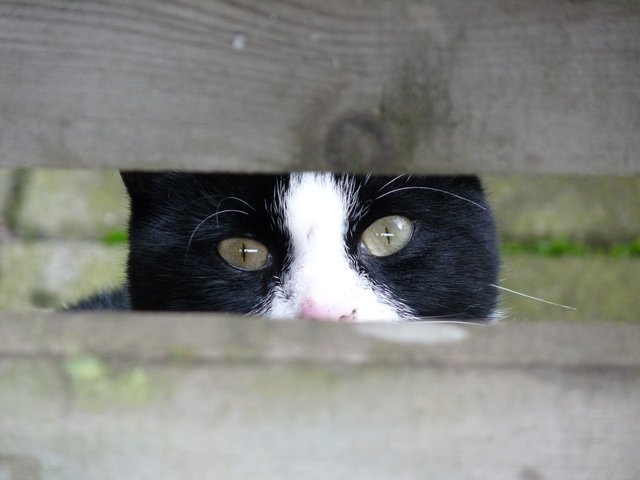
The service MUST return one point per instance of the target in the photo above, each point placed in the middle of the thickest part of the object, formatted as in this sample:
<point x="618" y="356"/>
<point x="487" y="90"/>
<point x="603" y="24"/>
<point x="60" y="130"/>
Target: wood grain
<point x="174" y="397"/>
<point x="505" y="86"/>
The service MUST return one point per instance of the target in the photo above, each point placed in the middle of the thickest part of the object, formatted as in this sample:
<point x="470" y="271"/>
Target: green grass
<point x="560" y="247"/>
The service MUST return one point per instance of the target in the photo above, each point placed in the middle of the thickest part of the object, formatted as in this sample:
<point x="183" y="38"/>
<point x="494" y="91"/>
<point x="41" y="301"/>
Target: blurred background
<point x="572" y="241"/>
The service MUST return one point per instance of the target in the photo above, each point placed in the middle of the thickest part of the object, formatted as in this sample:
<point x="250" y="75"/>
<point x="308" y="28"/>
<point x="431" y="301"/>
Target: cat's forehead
<point x="337" y="200"/>
<point x="315" y="203"/>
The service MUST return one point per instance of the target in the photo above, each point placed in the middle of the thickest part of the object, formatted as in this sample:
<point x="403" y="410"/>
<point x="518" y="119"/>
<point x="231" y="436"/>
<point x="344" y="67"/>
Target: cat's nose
<point x="328" y="312"/>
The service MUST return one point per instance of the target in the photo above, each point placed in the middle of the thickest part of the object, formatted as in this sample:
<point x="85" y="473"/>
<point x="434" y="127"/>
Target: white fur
<point x="321" y="282"/>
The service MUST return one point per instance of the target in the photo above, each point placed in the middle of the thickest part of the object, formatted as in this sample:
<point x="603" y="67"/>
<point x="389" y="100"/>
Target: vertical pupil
<point x="244" y="252"/>
<point x="386" y="231"/>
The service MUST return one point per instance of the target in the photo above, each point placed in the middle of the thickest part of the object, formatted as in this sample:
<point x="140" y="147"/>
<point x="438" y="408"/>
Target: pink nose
<point x="327" y="312"/>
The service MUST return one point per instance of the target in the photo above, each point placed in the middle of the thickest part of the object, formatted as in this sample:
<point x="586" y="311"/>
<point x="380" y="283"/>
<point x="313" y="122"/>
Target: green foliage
<point x="562" y="247"/>
<point x="626" y="249"/>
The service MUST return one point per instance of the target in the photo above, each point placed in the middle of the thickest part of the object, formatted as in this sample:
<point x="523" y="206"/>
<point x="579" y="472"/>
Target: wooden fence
<point x="499" y="86"/>
<point x="506" y="86"/>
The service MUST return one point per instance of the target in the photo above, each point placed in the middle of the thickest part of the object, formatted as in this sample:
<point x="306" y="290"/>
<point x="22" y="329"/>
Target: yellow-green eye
<point x="387" y="235"/>
<point x="244" y="253"/>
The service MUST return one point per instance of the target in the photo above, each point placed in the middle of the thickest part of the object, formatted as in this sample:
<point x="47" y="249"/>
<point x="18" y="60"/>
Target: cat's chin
<point x="332" y="320"/>
<point x="430" y="320"/>
<point x="364" y="306"/>
<point x="320" y="315"/>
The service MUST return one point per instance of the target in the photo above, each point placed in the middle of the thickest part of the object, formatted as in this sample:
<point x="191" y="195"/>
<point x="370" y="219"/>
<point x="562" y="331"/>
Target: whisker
<point x="390" y="182"/>
<point x="432" y="189"/>
<point x="448" y="315"/>
<point x="211" y="199"/>
<point x="231" y="198"/>
<point x="533" y="298"/>
<point x="451" y="318"/>
<point x="207" y="218"/>
<point x="440" y="321"/>
<point x="238" y="199"/>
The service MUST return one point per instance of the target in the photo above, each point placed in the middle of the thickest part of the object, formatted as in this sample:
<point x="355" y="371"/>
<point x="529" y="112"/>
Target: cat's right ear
<point x="146" y="186"/>
<point x="146" y="189"/>
<point x="139" y="183"/>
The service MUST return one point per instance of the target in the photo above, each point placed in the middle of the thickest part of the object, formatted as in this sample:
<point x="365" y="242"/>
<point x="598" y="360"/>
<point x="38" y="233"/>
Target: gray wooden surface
<point x="139" y="397"/>
<point x="510" y="86"/>
<point x="507" y="86"/>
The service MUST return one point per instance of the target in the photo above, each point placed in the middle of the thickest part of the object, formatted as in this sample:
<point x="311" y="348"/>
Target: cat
<point x="320" y="246"/>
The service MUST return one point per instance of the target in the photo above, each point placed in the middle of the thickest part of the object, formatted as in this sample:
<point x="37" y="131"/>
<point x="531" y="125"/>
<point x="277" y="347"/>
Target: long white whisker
<point x="207" y="218"/>
<point x="230" y="198"/>
<point x="532" y="297"/>
<point x="452" y="322"/>
<point x="238" y="199"/>
<point x="434" y="190"/>
<point x="390" y="182"/>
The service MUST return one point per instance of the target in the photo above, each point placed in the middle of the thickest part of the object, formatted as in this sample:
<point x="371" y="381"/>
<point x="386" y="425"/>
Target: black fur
<point x="447" y="269"/>
<point x="451" y="263"/>
<point x="113" y="300"/>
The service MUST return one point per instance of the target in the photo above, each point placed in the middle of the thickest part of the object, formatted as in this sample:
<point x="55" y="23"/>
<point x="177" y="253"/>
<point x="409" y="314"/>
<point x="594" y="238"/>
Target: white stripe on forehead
<point x="316" y="213"/>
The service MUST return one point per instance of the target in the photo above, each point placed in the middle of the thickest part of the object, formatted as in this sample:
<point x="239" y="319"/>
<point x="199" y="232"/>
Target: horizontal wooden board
<point x="508" y="86"/>
<point x="200" y="396"/>
<point x="210" y="337"/>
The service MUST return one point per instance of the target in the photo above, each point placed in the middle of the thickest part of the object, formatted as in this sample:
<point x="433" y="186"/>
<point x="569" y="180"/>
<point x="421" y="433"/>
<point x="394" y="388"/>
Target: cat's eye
<point x="387" y="235"/>
<point x="244" y="253"/>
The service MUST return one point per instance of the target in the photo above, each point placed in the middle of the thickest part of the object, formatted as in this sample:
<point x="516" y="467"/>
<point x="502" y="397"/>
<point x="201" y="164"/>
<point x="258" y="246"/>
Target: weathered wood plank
<point x="440" y="86"/>
<point x="138" y="397"/>
<point x="210" y="337"/>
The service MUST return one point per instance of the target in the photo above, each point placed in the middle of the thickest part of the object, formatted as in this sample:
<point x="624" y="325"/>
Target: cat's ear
<point x="144" y="187"/>
<point x="147" y="190"/>
<point x="468" y="181"/>
<point x="140" y="183"/>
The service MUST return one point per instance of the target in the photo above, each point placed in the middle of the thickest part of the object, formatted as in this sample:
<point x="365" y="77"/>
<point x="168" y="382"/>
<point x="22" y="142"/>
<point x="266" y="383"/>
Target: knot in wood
<point x="358" y="141"/>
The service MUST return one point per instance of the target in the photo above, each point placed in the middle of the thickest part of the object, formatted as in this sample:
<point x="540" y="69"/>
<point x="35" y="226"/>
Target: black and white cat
<point x="309" y="245"/>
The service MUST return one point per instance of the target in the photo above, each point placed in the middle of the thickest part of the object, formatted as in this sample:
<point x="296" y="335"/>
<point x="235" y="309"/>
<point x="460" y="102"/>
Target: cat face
<point x="313" y="245"/>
